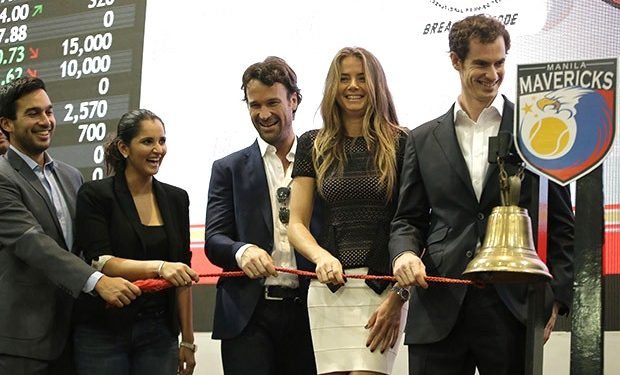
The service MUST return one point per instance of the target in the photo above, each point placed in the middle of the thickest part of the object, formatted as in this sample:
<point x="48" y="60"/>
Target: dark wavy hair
<point x="12" y="92"/>
<point x="128" y="128"/>
<point x="482" y="27"/>
<point x="272" y="70"/>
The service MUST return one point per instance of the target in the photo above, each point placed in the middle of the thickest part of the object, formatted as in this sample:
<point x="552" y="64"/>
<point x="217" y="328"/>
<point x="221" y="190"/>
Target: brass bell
<point x="507" y="254"/>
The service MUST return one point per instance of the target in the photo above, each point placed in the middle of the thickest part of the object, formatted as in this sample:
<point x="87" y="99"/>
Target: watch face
<point x="404" y="294"/>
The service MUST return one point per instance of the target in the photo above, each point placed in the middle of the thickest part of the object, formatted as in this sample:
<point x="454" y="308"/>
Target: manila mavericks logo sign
<point x="566" y="116"/>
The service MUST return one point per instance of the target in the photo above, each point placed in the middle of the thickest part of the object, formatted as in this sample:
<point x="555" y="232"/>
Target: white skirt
<point x="337" y="322"/>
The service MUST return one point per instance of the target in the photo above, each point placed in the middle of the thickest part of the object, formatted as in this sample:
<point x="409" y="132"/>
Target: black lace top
<point x="356" y="216"/>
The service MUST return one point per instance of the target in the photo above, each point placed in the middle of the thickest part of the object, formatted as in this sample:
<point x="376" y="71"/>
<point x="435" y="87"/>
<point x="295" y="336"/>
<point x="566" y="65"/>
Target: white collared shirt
<point x="283" y="254"/>
<point x="473" y="137"/>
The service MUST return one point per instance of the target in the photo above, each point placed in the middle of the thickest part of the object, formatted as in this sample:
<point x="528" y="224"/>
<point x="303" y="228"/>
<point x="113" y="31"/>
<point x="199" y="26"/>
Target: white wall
<point x="196" y="51"/>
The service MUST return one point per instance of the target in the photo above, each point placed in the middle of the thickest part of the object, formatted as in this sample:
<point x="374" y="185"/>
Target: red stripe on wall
<point x="202" y="265"/>
<point x="611" y="254"/>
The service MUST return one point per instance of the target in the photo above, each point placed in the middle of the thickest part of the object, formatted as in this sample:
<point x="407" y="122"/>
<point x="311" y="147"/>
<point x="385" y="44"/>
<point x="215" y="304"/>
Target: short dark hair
<point x="270" y="71"/>
<point x="12" y="92"/>
<point x="482" y="27"/>
<point x="128" y="128"/>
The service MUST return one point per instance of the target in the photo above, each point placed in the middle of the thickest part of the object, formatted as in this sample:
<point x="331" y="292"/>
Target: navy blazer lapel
<point x="446" y="137"/>
<point x="257" y="179"/>
<point x="491" y="178"/>
<point x="24" y="170"/>
<point x="168" y="218"/>
<point x="127" y="205"/>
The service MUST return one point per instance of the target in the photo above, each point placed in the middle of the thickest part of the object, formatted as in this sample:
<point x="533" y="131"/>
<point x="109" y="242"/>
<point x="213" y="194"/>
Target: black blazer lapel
<point x="257" y="179"/>
<point x="446" y="137"/>
<point x="170" y="224"/>
<point x="125" y="201"/>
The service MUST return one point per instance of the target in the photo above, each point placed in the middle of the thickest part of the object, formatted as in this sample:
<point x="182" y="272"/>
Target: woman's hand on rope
<point x="329" y="269"/>
<point x="178" y="274"/>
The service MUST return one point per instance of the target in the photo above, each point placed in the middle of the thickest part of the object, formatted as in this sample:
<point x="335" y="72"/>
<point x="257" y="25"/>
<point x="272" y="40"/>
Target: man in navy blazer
<point x="39" y="276"/>
<point x="448" y="190"/>
<point x="261" y="319"/>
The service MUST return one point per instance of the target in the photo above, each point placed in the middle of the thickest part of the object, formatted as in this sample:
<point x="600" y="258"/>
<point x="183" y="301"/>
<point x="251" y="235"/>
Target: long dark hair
<point x="128" y="128"/>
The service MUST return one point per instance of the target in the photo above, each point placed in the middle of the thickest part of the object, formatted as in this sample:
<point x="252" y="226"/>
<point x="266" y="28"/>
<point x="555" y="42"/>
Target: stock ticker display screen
<point x="89" y="53"/>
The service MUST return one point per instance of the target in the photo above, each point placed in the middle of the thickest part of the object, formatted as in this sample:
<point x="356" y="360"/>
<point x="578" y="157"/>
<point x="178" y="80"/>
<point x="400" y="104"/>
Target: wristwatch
<point x="403" y="293"/>
<point x="190" y="346"/>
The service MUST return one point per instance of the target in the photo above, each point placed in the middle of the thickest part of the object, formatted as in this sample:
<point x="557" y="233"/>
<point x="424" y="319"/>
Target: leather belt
<point x="280" y="293"/>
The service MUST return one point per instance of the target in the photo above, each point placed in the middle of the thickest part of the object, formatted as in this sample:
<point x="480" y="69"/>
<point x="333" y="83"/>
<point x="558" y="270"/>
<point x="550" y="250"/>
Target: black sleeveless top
<point x="156" y="244"/>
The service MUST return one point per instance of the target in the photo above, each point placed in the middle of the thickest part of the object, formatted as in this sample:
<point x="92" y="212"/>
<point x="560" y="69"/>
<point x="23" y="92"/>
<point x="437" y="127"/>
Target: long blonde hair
<point x="380" y="124"/>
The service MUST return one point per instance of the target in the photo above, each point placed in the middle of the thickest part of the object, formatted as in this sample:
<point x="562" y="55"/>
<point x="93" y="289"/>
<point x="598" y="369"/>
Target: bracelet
<point x="161" y="265"/>
<point x="190" y="346"/>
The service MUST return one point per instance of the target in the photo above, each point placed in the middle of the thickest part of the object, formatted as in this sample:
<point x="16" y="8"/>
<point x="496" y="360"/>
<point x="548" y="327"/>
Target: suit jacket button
<point x="469" y="253"/>
<point x="480" y="216"/>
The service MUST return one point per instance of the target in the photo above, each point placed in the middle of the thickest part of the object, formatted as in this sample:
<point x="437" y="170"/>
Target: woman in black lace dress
<point x="353" y="164"/>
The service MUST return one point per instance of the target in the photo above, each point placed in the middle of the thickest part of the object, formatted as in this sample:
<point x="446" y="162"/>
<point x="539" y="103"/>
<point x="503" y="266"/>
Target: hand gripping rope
<point x="155" y="285"/>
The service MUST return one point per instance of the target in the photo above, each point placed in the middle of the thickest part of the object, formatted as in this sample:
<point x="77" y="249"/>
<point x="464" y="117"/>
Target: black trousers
<point x="486" y="336"/>
<point x="276" y="341"/>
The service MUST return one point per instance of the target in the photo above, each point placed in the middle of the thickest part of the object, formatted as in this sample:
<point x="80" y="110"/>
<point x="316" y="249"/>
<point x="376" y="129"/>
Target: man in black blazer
<point x="261" y="319"/>
<point x="39" y="276"/>
<point x="448" y="190"/>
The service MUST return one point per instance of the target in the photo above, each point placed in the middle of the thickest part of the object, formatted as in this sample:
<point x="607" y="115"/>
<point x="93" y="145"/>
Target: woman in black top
<point x="353" y="164"/>
<point x="130" y="225"/>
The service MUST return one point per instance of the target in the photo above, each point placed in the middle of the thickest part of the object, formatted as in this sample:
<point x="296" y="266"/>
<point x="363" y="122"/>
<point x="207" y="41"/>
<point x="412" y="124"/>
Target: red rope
<point x="155" y="285"/>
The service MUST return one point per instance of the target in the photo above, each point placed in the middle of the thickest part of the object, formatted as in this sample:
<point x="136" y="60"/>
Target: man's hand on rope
<point x="256" y="262"/>
<point x="117" y="291"/>
<point x="409" y="270"/>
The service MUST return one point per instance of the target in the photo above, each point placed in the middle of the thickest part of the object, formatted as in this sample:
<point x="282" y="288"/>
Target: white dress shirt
<point x="283" y="254"/>
<point x="473" y="137"/>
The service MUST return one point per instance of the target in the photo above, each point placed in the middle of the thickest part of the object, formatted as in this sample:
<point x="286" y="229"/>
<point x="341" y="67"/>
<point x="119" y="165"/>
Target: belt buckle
<point x="270" y="298"/>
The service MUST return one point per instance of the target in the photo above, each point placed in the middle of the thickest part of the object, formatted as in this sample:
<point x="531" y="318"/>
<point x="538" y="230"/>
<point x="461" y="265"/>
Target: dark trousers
<point x="276" y="341"/>
<point x="147" y="347"/>
<point x="486" y="335"/>
<point x="63" y="365"/>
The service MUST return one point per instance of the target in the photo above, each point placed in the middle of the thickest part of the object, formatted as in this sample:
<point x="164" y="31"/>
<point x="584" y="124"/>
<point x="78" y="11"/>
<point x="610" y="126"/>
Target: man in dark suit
<point x="39" y="277"/>
<point x="448" y="190"/>
<point x="261" y="319"/>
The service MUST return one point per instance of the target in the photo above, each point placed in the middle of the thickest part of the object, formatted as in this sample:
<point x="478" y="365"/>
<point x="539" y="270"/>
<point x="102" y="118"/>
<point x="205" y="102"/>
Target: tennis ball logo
<point x="550" y="138"/>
